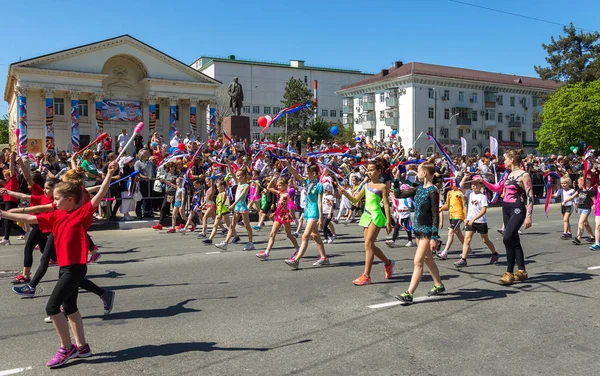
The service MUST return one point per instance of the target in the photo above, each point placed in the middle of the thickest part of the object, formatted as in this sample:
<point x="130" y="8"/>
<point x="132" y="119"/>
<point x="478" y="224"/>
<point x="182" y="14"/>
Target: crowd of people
<point x="302" y="187"/>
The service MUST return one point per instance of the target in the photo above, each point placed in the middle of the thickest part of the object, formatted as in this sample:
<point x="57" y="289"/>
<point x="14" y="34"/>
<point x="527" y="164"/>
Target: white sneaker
<point x="182" y="231"/>
<point x="48" y="320"/>
<point x="333" y="237"/>
<point x="443" y="255"/>
<point x="410" y="244"/>
<point x="520" y="232"/>
<point x="127" y="217"/>
<point x="5" y="242"/>
<point x="222" y="245"/>
<point x="295" y="234"/>
<point x="249" y="246"/>
<point x="390" y="243"/>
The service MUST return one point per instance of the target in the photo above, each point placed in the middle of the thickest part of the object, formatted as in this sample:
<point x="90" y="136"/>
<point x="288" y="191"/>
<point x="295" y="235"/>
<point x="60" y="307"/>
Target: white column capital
<point x="150" y="99"/>
<point x="48" y="93"/>
<point x="73" y="94"/>
<point x="173" y="101"/>
<point x="97" y="96"/>
<point x="20" y="91"/>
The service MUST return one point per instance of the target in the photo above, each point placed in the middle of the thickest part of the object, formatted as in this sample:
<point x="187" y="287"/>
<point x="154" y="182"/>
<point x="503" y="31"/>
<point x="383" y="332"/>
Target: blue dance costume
<point x="427" y="211"/>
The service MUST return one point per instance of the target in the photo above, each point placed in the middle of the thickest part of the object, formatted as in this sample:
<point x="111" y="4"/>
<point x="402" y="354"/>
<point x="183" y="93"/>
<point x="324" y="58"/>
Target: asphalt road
<point x="183" y="308"/>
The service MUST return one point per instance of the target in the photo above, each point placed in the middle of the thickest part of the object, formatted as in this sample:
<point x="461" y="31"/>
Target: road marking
<point x="212" y="253"/>
<point x="391" y="304"/>
<point x="15" y="370"/>
<point x="593" y="267"/>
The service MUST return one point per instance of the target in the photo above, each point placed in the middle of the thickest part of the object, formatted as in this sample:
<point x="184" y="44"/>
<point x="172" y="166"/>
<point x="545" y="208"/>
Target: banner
<point x="99" y="119"/>
<point x="152" y="120"/>
<point x="22" y="113"/>
<point x="212" y="133"/>
<point x="50" y="126"/>
<point x="192" y="120"/>
<point x="34" y="145"/>
<point x="75" y="125"/>
<point x="118" y="110"/>
<point x="173" y="121"/>
<point x="493" y="146"/>
<point x="463" y="146"/>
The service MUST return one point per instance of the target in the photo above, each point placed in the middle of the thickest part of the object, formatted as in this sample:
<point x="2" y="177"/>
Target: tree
<point x="318" y="130"/>
<point x="4" y="130"/>
<point x="571" y="115"/>
<point x="297" y="92"/>
<point x="221" y="108"/>
<point x="574" y="57"/>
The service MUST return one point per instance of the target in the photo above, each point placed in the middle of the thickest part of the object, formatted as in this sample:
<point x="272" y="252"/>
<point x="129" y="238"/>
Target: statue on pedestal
<point x="236" y="97"/>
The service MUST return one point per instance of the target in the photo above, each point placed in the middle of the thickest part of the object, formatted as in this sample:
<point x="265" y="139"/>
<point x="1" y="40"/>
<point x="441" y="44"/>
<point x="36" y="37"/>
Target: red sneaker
<point x="193" y="228"/>
<point x="389" y="269"/>
<point x="180" y="227"/>
<point x="171" y="231"/>
<point x="157" y="226"/>
<point x="362" y="280"/>
<point x="21" y="279"/>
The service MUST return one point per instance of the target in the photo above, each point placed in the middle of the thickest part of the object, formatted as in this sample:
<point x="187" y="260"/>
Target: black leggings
<point x="36" y="237"/>
<point x="404" y="223"/>
<point x="513" y="220"/>
<point x="8" y="223"/>
<point x="66" y="290"/>
<point x="326" y="231"/>
<point x="50" y="254"/>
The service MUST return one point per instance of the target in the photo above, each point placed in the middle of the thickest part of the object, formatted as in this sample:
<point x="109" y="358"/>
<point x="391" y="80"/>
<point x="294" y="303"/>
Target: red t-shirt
<point x="108" y="144"/>
<point x="12" y="184"/>
<point x="70" y="233"/>
<point x="38" y="197"/>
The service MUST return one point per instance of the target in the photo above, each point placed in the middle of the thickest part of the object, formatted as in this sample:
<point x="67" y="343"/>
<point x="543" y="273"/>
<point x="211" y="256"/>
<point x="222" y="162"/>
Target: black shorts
<point x="566" y="209"/>
<point x="455" y="224"/>
<point x="267" y="208"/>
<point x="480" y="228"/>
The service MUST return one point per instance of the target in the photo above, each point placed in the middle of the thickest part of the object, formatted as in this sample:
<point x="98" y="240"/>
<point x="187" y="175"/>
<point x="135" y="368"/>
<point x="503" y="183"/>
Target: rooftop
<point x="206" y="61"/>
<point x="400" y="70"/>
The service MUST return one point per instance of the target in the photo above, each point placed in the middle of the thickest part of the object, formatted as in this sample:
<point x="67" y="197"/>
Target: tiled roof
<point x="399" y="70"/>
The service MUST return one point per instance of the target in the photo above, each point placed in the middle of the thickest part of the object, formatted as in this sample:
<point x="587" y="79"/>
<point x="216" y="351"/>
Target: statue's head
<point x="235" y="79"/>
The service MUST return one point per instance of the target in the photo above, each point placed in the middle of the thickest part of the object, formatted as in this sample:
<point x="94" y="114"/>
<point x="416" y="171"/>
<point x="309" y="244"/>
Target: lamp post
<point x="435" y="112"/>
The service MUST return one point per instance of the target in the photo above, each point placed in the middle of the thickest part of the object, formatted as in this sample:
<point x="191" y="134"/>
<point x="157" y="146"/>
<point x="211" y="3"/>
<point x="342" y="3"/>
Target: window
<point x="474" y="134"/>
<point x="431" y="112"/>
<point x="524" y="136"/>
<point x="177" y="113"/>
<point x="246" y="109"/>
<point x="500" y="100"/>
<point x="382" y="134"/>
<point x="82" y="105"/>
<point x="447" y="113"/>
<point x="474" y="115"/>
<point x="255" y="122"/>
<point x="499" y="135"/>
<point x="461" y="96"/>
<point x="256" y="109"/>
<point x="381" y="97"/>
<point x="512" y="117"/>
<point x="486" y="134"/>
<point x="500" y="117"/>
<point x="431" y="93"/>
<point x="461" y="132"/>
<point x="276" y="110"/>
<point x="381" y="115"/>
<point x="371" y="134"/>
<point x="306" y="80"/>
<point x="446" y="95"/>
<point x="512" y="136"/>
<point x="535" y="101"/>
<point x="157" y="111"/>
<point x="332" y="113"/>
<point x="474" y="97"/>
<point x="256" y="136"/>
<point x="267" y="110"/>
<point x="59" y="106"/>
<point x="523" y="120"/>
<point x="490" y="114"/>
<point x="341" y="114"/>
<point x="512" y="101"/>
<point x="431" y="131"/>
<point x="325" y="113"/>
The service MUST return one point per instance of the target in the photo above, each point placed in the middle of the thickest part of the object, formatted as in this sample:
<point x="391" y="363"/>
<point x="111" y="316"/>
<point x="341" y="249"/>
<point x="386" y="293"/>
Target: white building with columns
<point x="448" y="102"/>
<point x="264" y="85"/>
<point x="55" y="100"/>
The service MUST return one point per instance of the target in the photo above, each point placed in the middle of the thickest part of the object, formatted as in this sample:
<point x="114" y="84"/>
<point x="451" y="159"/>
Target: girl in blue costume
<point x="427" y="222"/>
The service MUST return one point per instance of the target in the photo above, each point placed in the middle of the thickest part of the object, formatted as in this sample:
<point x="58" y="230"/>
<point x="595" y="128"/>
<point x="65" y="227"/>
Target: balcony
<point x="348" y="120"/>
<point x="463" y="123"/>
<point x="490" y="104"/>
<point x="392" y="122"/>
<point x="490" y="124"/>
<point x="392" y="102"/>
<point x="348" y="109"/>
<point x="367" y="122"/>
<point x="368" y="106"/>
<point x="537" y="125"/>
<point x="514" y="125"/>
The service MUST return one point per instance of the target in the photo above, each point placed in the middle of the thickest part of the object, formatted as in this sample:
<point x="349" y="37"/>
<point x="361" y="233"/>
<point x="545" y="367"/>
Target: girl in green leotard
<point x="373" y="219"/>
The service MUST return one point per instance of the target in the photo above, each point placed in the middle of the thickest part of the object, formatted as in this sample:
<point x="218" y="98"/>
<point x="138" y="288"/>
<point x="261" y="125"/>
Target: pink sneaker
<point x="62" y="356"/>
<point x="262" y="255"/>
<point x="94" y="258"/>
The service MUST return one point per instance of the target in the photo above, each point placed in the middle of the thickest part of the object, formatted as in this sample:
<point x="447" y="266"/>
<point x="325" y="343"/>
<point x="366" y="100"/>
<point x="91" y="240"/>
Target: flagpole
<point x="286" y="126"/>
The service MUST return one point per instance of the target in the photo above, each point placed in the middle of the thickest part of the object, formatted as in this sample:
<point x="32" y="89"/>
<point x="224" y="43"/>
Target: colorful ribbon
<point x="549" y="175"/>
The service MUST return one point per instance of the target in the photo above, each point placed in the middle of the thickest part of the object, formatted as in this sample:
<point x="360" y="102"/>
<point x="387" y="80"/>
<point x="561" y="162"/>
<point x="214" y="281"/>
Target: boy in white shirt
<point x="401" y="212"/>
<point x="476" y="221"/>
<point x="328" y="203"/>
<point x="567" y="195"/>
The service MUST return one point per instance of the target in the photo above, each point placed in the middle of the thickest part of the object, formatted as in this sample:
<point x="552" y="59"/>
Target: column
<point x="98" y="111"/>
<point x="173" y="117"/>
<point x="202" y="121"/>
<point x="183" y="115"/>
<point x="193" y="118"/>
<point x="74" y="99"/>
<point x="49" y="128"/>
<point x="151" y="101"/>
<point x="21" y="131"/>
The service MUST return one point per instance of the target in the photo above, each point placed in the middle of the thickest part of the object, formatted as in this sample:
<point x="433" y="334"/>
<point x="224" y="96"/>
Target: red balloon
<point x="262" y="121"/>
<point x="181" y="147"/>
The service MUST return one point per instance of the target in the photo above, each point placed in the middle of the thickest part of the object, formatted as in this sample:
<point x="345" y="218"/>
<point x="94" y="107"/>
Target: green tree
<point x="318" y="130"/>
<point x="297" y="92"/>
<point x="4" y="130"/>
<point x="571" y="115"/>
<point x="574" y="57"/>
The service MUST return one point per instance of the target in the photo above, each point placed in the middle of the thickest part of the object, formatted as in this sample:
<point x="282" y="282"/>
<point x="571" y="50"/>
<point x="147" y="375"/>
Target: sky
<point x="356" y="34"/>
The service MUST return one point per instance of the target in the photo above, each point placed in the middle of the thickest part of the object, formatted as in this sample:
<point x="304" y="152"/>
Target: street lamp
<point x="450" y="120"/>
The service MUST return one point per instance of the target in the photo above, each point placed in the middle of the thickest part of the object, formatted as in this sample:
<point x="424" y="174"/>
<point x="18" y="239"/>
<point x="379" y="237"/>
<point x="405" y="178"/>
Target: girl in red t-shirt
<point x="12" y="184"/>
<point x="68" y="223"/>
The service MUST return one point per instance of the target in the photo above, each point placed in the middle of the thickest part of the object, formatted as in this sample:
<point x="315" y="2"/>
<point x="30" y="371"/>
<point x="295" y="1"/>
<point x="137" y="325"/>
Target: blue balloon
<point x="395" y="132"/>
<point x="334" y="130"/>
<point x="173" y="149"/>
<point x="154" y="144"/>
<point x="358" y="139"/>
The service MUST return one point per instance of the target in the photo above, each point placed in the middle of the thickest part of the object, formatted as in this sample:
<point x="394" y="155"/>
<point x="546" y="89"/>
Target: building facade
<point x="264" y="85"/>
<point x="62" y="100"/>
<point x="448" y="102"/>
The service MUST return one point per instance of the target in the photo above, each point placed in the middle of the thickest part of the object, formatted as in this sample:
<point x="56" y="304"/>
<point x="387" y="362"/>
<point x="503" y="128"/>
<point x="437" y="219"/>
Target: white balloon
<point x="174" y="143"/>
<point x="268" y="119"/>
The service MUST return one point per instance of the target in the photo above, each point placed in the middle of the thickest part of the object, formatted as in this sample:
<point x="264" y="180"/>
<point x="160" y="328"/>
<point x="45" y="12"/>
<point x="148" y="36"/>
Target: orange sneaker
<point x="389" y="269"/>
<point x="362" y="280"/>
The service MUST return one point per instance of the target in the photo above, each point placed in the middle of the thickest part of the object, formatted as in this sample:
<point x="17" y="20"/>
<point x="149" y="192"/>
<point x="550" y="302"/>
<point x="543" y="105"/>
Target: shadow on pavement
<point x="124" y="252"/>
<point x="170" y="311"/>
<point x="475" y="295"/>
<point x="559" y="277"/>
<point x="109" y="274"/>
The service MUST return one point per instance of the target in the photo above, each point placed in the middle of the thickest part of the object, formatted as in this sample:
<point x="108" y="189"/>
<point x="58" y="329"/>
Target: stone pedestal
<point x="237" y="126"/>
